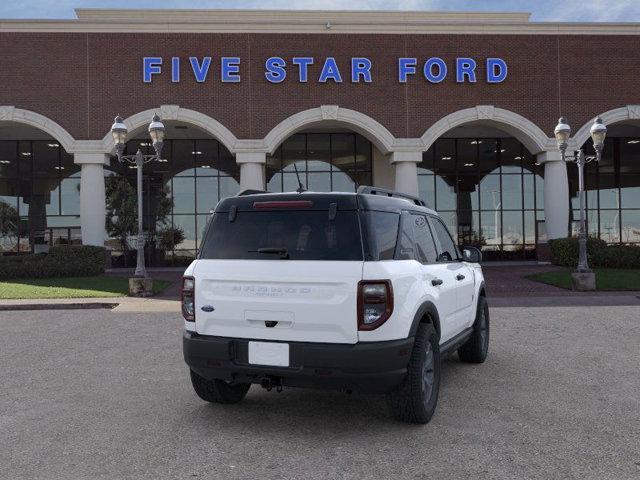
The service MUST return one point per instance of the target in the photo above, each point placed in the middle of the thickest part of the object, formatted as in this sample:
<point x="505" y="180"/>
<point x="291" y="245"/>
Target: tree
<point x="9" y="223"/>
<point x="122" y="210"/>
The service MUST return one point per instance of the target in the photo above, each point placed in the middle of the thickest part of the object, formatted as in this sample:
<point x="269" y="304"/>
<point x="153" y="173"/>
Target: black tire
<point x="415" y="399"/>
<point x="218" y="391"/>
<point x="475" y="349"/>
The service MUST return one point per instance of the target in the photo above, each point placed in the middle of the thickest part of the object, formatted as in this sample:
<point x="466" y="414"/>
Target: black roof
<point x="245" y="201"/>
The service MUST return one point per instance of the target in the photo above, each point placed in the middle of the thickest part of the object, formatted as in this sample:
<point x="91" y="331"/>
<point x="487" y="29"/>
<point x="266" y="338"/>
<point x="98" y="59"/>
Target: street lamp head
<point x="562" y="133"/>
<point x="119" y="132"/>
<point x="598" y="133"/>
<point x="156" y="132"/>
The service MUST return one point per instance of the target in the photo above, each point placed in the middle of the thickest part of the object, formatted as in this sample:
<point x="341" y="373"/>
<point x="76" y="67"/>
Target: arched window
<point x="489" y="192"/>
<point x="325" y="162"/>
<point x="612" y="188"/>
<point x="179" y="192"/>
<point x="39" y="193"/>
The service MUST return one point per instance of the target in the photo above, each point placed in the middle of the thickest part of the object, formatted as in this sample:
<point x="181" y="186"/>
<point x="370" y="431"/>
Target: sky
<point x="542" y="10"/>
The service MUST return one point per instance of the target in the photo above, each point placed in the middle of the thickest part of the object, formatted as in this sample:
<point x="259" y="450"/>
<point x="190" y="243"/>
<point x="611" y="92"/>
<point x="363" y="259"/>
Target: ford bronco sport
<point x="357" y="291"/>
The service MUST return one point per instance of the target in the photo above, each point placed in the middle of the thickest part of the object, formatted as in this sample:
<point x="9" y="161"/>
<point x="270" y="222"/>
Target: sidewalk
<point x="506" y="287"/>
<point x="117" y="304"/>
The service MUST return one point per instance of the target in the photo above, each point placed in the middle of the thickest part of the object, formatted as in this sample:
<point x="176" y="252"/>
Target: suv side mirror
<point x="471" y="255"/>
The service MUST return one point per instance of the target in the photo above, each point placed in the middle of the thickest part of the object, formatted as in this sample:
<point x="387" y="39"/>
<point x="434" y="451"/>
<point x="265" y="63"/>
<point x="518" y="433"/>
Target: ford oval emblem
<point x="207" y="308"/>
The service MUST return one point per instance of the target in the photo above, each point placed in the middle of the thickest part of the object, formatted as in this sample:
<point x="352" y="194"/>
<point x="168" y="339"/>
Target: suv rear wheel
<point x="414" y="401"/>
<point x="218" y="391"/>
<point x="475" y="349"/>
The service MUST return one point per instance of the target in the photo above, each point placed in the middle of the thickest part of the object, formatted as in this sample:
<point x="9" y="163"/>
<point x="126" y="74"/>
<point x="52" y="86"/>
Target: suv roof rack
<point x="368" y="190"/>
<point x="249" y="191"/>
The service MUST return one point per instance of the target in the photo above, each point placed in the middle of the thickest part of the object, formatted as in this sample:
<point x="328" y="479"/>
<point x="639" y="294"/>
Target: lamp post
<point x="583" y="278"/>
<point x="156" y="132"/>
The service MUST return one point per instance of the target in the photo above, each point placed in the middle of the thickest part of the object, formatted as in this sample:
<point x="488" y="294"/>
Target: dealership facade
<point x="457" y="108"/>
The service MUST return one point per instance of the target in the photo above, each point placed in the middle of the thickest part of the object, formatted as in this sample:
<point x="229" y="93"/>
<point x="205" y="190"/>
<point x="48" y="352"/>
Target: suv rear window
<point x="292" y="234"/>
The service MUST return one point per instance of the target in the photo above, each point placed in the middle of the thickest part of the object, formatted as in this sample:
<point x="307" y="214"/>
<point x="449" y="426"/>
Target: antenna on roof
<point x="300" y="188"/>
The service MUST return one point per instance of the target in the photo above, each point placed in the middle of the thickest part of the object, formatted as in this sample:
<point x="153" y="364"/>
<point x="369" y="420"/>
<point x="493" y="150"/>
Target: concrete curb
<point x="57" y="306"/>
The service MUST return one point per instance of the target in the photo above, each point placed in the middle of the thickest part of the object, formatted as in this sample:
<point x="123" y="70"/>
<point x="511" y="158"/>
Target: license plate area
<point x="269" y="353"/>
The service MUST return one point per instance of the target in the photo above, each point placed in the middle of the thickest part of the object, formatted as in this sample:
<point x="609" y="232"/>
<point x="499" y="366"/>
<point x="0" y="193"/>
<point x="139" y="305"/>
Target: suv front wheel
<point x="415" y="399"/>
<point x="475" y="349"/>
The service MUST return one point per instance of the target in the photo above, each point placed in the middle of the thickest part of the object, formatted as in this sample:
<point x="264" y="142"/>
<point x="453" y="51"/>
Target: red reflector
<point x="284" y="204"/>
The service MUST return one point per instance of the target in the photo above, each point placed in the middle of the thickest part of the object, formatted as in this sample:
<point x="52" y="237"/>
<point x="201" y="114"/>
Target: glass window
<point x="363" y="153"/>
<point x="447" y="249"/>
<point x="406" y="241"/>
<point x="512" y="192"/>
<point x="445" y="156"/>
<point x="343" y="149"/>
<point x="183" y="192"/>
<point x="467" y="154"/>
<point x="629" y="155"/>
<point x="445" y="193"/>
<point x="183" y="157"/>
<point x="427" y="164"/>
<point x="206" y="158"/>
<point x="467" y="194"/>
<point x="468" y="227"/>
<point x="298" y="235"/>
<point x="488" y="155"/>
<point x="512" y="228"/>
<point x="207" y="193"/>
<point x="381" y="234"/>
<point x="490" y="194"/>
<point x="630" y="226"/>
<point x="510" y="155"/>
<point x="425" y="246"/>
<point x="186" y="223"/>
<point x="608" y="191"/>
<point x="70" y="196"/>
<point x="426" y="188"/>
<point x="630" y="191"/>
<point x="325" y="162"/>
<point x="318" y="153"/>
<point x="8" y="159"/>
<point x="45" y="156"/>
<point x="610" y="226"/>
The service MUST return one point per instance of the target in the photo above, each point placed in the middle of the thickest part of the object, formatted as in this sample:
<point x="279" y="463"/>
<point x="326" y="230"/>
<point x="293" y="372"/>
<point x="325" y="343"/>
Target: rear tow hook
<point x="268" y="383"/>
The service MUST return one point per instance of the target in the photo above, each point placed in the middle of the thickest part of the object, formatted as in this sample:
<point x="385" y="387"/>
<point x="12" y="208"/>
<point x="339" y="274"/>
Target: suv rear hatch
<point x="281" y="267"/>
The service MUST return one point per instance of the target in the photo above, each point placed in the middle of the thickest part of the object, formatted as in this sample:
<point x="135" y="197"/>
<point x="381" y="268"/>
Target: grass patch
<point x="72" y="287"/>
<point x="607" y="279"/>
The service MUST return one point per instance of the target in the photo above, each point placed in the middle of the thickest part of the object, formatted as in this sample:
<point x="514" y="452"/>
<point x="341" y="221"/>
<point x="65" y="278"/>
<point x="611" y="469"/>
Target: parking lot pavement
<point x="101" y="394"/>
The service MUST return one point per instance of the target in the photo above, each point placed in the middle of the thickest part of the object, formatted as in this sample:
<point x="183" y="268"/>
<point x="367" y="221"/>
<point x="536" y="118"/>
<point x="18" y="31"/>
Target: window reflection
<point x="179" y="191"/>
<point x="612" y="191"/>
<point x="325" y="162"/>
<point x="39" y="196"/>
<point x="489" y="190"/>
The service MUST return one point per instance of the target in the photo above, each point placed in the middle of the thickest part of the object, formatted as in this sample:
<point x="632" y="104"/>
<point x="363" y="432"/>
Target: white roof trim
<point x="312" y="21"/>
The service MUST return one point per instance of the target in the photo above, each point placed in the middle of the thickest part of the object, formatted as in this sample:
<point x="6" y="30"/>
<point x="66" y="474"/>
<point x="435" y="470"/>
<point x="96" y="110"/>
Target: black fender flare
<point x="482" y="292"/>
<point x="427" y="308"/>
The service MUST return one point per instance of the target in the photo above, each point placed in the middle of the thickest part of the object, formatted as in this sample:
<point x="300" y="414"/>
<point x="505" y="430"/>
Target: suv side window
<point x="406" y="243"/>
<point x="448" y="251"/>
<point x="425" y="246"/>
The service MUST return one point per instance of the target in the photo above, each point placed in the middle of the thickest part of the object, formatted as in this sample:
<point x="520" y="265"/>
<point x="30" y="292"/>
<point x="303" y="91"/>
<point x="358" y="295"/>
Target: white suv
<point x="351" y="291"/>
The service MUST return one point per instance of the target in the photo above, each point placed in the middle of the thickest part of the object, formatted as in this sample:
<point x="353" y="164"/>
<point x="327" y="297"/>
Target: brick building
<point x="458" y="108"/>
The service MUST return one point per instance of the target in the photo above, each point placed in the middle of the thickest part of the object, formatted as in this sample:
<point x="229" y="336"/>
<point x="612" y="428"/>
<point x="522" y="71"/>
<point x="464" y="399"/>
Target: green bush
<point x="564" y="252"/>
<point x="61" y="261"/>
<point x="620" y="256"/>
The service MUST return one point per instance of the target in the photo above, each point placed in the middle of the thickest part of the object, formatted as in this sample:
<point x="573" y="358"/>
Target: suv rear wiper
<point x="283" y="252"/>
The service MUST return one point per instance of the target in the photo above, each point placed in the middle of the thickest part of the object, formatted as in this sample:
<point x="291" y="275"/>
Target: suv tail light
<point x="188" y="299"/>
<point x="375" y="303"/>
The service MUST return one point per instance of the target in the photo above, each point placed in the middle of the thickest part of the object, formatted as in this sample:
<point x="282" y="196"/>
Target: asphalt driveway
<point x="98" y="394"/>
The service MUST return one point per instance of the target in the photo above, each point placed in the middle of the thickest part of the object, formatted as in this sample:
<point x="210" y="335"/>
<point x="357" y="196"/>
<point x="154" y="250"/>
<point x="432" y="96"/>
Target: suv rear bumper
<point x="371" y="367"/>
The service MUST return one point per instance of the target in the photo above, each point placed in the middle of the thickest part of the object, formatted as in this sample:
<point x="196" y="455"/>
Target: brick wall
<point x="81" y="80"/>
